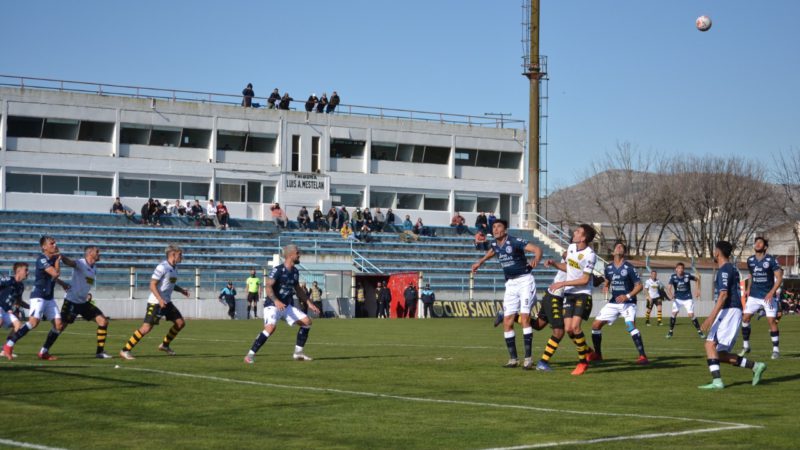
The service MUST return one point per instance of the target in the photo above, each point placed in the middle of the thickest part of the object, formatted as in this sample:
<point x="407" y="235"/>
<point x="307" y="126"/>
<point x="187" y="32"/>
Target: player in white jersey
<point x="76" y="303"/>
<point x="654" y="290"/>
<point x="579" y="267"/>
<point x="162" y="283"/>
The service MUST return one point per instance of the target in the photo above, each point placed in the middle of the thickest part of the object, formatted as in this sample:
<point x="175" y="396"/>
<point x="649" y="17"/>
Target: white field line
<point x="11" y="443"/>
<point x="721" y="425"/>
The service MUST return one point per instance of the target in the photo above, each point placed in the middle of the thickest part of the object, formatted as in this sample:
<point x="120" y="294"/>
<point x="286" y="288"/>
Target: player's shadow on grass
<point x="765" y="380"/>
<point x="115" y="382"/>
<point x="625" y="365"/>
<point x="343" y="358"/>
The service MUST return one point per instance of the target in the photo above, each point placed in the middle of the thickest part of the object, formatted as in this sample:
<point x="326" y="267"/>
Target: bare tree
<point x="788" y="177"/>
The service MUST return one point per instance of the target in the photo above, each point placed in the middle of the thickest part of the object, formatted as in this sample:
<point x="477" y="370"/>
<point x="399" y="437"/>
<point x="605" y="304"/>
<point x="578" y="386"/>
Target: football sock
<point x="302" y="337"/>
<point x="696" y="324"/>
<point x="170" y="335"/>
<point x="647" y="316"/>
<point x="52" y="335"/>
<point x="261" y="339"/>
<point x="671" y="324"/>
<point x="744" y="362"/>
<point x="511" y="344"/>
<point x="597" y="340"/>
<point x="659" y="317"/>
<point x="18" y="335"/>
<point x="713" y="367"/>
<point x="550" y="348"/>
<point x="774" y="336"/>
<point x="746" y="334"/>
<point x="527" y="339"/>
<point x="583" y="349"/>
<point x="102" y="332"/>
<point x="135" y="338"/>
<point x="637" y="341"/>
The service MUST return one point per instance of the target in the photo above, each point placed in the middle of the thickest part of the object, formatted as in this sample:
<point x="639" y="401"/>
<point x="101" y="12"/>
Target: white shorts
<point x="725" y="329"/>
<point x="611" y="311"/>
<point x="44" y="309"/>
<point x="688" y="304"/>
<point x="520" y="295"/>
<point x="754" y="304"/>
<point x="7" y="319"/>
<point x="290" y="314"/>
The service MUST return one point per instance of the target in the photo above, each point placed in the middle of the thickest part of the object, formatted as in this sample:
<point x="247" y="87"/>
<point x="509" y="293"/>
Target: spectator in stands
<point x="303" y="219"/>
<point x="378" y="221"/>
<point x="211" y="214"/>
<point x="333" y="103"/>
<point x="428" y="297"/>
<point x="407" y="224"/>
<point x="119" y="208"/>
<point x="179" y="208"/>
<point x="228" y="295"/>
<point x="410" y="297"/>
<point x="312" y="100"/>
<point x="157" y="211"/>
<point x="361" y="301"/>
<point x="247" y="96"/>
<point x="421" y="230"/>
<point x="480" y="241"/>
<point x="223" y="215"/>
<point x="319" y="221"/>
<point x="367" y="218"/>
<point x="322" y="103"/>
<point x="196" y="212"/>
<point x="383" y="298"/>
<point x="390" y="219"/>
<point x="169" y="210"/>
<point x="358" y="219"/>
<point x="285" y="101"/>
<point x="490" y="220"/>
<point x="347" y="232"/>
<point x="147" y="212"/>
<point x="363" y="234"/>
<point x="459" y="223"/>
<point x="278" y="217"/>
<point x="344" y="217"/>
<point x="273" y="99"/>
<point x="332" y="218"/>
<point x="316" y="297"/>
<point x="481" y="223"/>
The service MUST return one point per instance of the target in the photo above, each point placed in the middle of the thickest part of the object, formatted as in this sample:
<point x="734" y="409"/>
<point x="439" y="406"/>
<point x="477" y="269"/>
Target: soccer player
<point x="11" y="289"/>
<point x="77" y="301"/>
<point x="681" y="293"/>
<point x="622" y="280"/>
<point x="162" y="283"/>
<point x="520" y="292"/>
<point x="577" y="286"/>
<point x="724" y="320"/>
<point x="48" y="269"/>
<point x="282" y="284"/>
<point x="654" y="296"/>
<point x="254" y="291"/>
<point x="552" y="312"/>
<point x="766" y="275"/>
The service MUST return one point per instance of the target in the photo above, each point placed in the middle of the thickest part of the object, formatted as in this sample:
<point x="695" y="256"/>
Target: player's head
<point x="653" y="274"/>
<point x="499" y="228"/>
<point x="230" y="284"/>
<point x="91" y="253"/>
<point x="679" y="268"/>
<point x="48" y="244"/>
<point x="291" y="253"/>
<point x="620" y="249"/>
<point x="174" y="254"/>
<point x="315" y="283"/>
<point x="723" y="249"/>
<point x="585" y="233"/>
<point x="20" y="271"/>
<point x="760" y="244"/>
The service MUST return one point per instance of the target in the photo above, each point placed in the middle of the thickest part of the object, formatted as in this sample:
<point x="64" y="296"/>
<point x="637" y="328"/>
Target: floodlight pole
<point x="533" y="73"/>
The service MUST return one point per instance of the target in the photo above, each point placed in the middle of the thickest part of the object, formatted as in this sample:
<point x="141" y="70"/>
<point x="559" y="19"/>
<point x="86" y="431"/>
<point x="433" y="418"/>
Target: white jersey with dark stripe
<point x="167" y="277"/>
<point x="579" y="263"/>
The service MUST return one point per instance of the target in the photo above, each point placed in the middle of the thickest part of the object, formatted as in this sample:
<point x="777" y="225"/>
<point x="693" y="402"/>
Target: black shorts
<point x="654" y="302"/>
<point x="578" y="305"/>
<point x="155" y="313"/>
<point x="70" y="311"/>
<point x="252" y="297"/>
<point x="552" y="310"/>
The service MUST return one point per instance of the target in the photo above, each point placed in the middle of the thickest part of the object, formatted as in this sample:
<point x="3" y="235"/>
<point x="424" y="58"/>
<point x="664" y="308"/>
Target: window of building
<point x="59" y="184"/>
<point x="134" y="134"/>
<point x="230" y="192"/>
<point x="261" y="143"/>
<point x="65" y="129"/>
<point x="96" y="131"/>
<point x="488" y="204"/>
<point x="25" y="127"/>
<point x="253" y="192"/>
<point x="194" y="191"/>
<point x="165" y="189"/>
<point x="344" y="148"/>
<point x="465" y="203"/>
<point x="347" y="197"/>
<point x="515" y="204"/>
<point x="409" y="201"/>
<point x="488" y="158"/>
<point x="436" y="202"/>
<point x="23" y="182"/>
<point x="436" y="155"/>
<point x="231" y="140"/>
<point x="315" y="154"/>
<point x="510" y="160"/>
<point x="465" y="157"/>
<point x="295" y="153"/>
<point x="165" y="137"/>
<point x="95" y="186"/>
<point x="383" y="152"/>
<point x="268" y="194"/>
<point x="129" y="187"/>
<point x="195" y="138"/>
<point x="379" y="199"/>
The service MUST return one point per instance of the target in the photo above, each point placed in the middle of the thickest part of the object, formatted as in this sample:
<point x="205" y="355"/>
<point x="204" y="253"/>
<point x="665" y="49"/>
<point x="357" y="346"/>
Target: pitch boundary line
<point x="27" y="445"/>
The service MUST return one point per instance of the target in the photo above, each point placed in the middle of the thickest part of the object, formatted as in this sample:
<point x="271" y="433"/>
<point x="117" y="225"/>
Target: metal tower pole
<point x="533" y="72"/>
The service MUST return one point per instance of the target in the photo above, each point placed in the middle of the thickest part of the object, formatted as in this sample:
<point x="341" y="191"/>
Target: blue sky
<point x="623" y="70"/>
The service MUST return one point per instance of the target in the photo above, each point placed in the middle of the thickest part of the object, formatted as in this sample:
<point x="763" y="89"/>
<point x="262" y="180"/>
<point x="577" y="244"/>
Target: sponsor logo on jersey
<point x="574" y="264"/>
<point x="173" y="280"/>
<point x="90" y="281"/>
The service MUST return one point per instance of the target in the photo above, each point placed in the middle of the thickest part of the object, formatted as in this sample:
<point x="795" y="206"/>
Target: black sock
<point x="671" y="324"/>
<point x="51" y="339"/>
<point x="511" y="343"/>
<point x="597" y="340"/>
<point x="527" y="339"/>
<point x="302" y="336"/>
<point x="744" y="362"/>
<point x="696" y="324"/>
<point x="260" y="340"/>
<point x="637" y="341"/>
<point x="713" y="367"/>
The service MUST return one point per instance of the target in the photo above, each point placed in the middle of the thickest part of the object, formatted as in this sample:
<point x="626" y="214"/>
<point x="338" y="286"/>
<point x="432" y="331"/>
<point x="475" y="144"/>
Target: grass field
<point x="391" y="384"/>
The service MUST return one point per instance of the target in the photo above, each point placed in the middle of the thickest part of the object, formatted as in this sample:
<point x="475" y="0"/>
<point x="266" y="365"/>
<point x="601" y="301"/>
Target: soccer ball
<point x="703" y="23"/>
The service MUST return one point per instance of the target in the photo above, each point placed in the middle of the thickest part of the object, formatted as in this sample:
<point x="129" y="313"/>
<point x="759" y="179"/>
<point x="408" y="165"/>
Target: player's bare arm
<point x="537" y="254"/>
<point x="777" y="284"/>
<point x="558" y="265"/>
<point x="583" y="280"/>
<point x="183" y="291"/>
<point x="156" y="293"/>
<point x="636" y="289"/>
<point x="489" y="255"/>
<point x="301" y="294"/>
